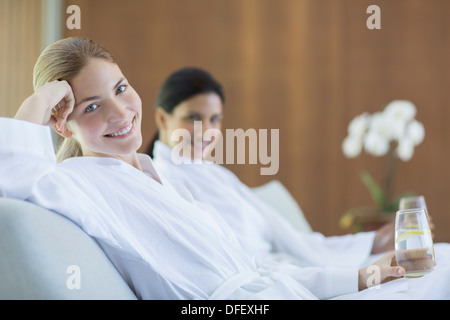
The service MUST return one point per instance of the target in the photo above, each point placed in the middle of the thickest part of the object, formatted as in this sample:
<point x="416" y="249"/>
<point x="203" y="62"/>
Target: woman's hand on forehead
<point x="50" y="105"/>
<point x="63" y="102"/>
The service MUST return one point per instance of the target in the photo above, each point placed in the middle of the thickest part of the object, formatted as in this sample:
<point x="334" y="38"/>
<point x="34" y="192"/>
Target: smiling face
<point x="205" y="107"/>
<point x="106" y="120"/>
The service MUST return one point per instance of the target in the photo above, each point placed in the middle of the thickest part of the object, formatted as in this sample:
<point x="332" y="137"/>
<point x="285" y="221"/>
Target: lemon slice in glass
<point x="410" y="234"/>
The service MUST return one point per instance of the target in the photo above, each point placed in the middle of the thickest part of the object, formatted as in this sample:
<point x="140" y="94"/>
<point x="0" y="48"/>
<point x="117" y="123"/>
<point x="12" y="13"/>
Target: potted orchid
<point x="392" y="133"/>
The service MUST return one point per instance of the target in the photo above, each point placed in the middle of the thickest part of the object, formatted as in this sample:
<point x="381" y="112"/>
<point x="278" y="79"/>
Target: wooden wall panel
<point x="20" y="45"/>
<point x="305" y="67"/>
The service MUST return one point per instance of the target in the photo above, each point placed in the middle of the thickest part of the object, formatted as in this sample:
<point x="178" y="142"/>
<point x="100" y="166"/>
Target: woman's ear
<point x="160" y="118"/>
<point x="63" y="131"/>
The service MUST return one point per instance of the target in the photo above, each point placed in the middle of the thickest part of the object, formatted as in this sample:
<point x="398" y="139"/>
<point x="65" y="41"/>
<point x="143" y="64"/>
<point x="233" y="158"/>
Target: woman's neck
<point x="131" y="159"/>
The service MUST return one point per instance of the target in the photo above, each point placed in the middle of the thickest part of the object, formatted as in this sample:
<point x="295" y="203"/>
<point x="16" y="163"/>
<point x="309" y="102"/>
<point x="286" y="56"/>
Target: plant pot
<point x="365" y="219"/>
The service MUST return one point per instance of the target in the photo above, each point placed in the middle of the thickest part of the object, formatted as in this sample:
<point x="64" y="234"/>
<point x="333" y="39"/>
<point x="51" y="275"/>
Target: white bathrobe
<point x="164" y="245"/>
<point x="264" y="233"/>
<point x="260" y="228"/>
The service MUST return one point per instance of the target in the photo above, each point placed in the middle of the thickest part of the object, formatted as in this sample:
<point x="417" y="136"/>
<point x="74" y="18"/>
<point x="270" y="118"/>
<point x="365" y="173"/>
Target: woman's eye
<point x="120" y="89"/>
<point x="194" y="117"/>
<point x="91" y="107"/>
<point x="216" y="119"/>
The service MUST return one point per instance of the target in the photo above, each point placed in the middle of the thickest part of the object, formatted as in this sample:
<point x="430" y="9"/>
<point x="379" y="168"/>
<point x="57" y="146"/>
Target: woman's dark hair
<point x="180" y="86"/>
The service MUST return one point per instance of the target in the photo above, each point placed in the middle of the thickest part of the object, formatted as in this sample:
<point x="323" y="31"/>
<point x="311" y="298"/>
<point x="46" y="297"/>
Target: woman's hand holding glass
<point x="383" y="270"/>
<point x="413" y="242"/>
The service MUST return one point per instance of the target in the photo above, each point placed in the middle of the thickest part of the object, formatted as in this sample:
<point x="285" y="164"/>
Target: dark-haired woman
<point x="191" y="98"/>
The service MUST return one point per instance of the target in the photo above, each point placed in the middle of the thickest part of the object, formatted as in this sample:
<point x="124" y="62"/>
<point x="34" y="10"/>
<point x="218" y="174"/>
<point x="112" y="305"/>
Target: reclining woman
<point x="192" y="94"/>
<point x="163" y="244"/>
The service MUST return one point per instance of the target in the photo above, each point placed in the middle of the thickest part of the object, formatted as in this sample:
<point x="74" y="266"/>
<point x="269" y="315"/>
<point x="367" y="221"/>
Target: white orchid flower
<point x="400" y="111"/>
<point x="359" y="125"/>
<point x="352" y="146"/>
<point x="381" y="125"/>
<point x="416" y="132"/>
<point x="376" y="144"/>
<point x="405" y="149"/>
<point x="374" y="133"/>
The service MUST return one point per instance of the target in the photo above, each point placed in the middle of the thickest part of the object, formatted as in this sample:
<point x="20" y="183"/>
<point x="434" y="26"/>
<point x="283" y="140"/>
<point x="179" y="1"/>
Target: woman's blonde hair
<point x="63" y="60"/>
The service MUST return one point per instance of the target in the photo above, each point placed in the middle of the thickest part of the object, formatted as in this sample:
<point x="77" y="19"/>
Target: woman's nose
<point x="207" y="125"/>
<point x="117" y="111"/>
<point x="210" y="125"/>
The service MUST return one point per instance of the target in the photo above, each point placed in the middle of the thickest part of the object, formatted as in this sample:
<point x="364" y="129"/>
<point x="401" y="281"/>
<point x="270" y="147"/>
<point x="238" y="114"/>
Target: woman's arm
<point x="26" y="149"/>
<point x="50" y="105"/>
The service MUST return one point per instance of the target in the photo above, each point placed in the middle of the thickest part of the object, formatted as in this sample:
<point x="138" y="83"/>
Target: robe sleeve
<point x="323" y="282"/>
<point x="315" y="249"/>
<point x="28" y="171"/>
<point x="26" y="155"/>
<point x="355" y="248"/>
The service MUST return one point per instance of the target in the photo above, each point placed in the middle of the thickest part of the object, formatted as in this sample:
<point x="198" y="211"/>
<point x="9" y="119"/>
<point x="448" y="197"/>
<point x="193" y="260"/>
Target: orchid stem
<point x="389" y="179"/>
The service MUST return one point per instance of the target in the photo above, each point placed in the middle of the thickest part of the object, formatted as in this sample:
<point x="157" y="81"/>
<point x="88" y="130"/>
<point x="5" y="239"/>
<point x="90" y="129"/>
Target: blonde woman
<point x="164" y="245"/>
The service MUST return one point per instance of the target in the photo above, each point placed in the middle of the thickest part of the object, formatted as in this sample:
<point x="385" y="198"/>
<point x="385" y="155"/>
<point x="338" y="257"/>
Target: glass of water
<point x="413" y="242"/>
<point x="415" y="202"/>
<point x="412" y="203"/>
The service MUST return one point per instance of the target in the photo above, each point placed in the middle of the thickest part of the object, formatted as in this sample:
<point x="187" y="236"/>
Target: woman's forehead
<point x="202" y="103"/>
<point x="96" y="76"/>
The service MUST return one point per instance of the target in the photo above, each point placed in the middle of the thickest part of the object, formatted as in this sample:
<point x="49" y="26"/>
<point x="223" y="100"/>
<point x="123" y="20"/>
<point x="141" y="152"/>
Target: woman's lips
<point x="122" y="132"/>
<point x="202" y="144"/>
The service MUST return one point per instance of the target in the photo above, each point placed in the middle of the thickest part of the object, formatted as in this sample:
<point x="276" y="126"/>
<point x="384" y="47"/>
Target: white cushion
<point x="46" y="256"/>
<point x="277" y="196"/>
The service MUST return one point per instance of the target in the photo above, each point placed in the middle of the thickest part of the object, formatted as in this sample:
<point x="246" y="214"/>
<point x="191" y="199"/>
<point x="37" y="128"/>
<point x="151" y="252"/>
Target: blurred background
<point x="305" y="67"/>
